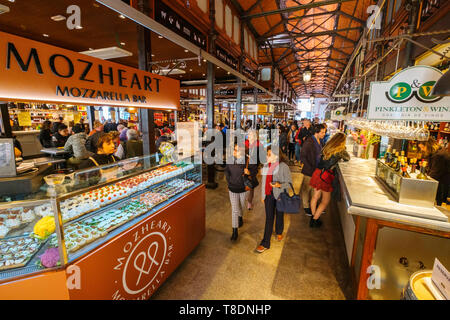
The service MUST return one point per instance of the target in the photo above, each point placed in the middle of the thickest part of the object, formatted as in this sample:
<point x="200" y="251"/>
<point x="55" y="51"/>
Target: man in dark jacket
<point x="310" y="157"/>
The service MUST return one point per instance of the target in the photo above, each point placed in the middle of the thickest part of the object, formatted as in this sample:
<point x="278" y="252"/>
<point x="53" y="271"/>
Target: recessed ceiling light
<point x="153" y="55"/>
<point x="45" y="35"/>
<point x="122" y="43"/>
<point x="160" y="37"/>
<point x="203" y="74"/>
<point x="121" y="16"/>
<point x="204" y="60"/>
<point x="78" y="27"/>
<point x="11" y="0"/>
<point x="218" y="67"/>
<point x="58" y="18"/>
<point x="186" y="50"/>
<point x="228" y="72"/>
<point x="190" y="69"/>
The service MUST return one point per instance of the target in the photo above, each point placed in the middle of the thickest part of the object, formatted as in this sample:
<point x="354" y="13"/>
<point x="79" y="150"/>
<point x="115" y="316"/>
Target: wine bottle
<point x="405" y="173"/>
<point x="387" y="155"/>
<point x="393" y="163"/>
<point x="413" y="165"/>
<point x="422" y="175"/>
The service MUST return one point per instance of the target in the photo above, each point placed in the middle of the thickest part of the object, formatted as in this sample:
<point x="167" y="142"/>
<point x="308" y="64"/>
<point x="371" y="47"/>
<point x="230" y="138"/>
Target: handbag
<point x="248" y="182"/>
<point x="327" y="176"/>
<point x="288" y="204"/>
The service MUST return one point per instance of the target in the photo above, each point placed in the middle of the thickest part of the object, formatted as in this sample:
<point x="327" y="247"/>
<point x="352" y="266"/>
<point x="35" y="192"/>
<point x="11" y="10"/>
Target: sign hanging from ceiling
<point x="34" y="71"/>
<point x="170" y="19"/>
<point x="407" y="96"/>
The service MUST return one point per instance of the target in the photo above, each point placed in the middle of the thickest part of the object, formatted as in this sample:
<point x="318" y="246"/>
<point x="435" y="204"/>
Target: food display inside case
<point x="88" y="209"/>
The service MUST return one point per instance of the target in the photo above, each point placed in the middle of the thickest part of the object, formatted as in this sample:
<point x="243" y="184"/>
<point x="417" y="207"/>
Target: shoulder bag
<point x="248" y="182"/>
<point x="288" y="204"/>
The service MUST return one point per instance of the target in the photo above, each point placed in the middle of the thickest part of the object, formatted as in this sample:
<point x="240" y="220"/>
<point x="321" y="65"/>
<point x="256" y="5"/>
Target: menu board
<point x="24" y="119"/>
<point x="7" y="159"/>
<point x="187" y="138"/>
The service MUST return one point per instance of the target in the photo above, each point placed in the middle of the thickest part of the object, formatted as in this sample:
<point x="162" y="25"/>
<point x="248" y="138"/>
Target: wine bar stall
<point x="392" y="221"/>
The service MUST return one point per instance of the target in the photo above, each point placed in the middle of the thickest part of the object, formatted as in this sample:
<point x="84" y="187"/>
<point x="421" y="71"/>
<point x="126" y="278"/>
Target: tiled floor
<point x="307" y="264"/>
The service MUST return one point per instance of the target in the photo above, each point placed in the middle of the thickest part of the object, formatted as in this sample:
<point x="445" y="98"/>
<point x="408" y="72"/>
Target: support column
<point x="210" y="77"/>
<point x="146" y="116"/>
<point x="413" y="16"/>
<point x="6" y="126"/>
<point x="91" y="117"/>
<point x="238" y="104"/>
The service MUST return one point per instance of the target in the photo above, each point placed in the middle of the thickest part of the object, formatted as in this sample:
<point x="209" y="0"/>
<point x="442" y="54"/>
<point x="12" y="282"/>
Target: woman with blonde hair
<point x="323" y="176"/>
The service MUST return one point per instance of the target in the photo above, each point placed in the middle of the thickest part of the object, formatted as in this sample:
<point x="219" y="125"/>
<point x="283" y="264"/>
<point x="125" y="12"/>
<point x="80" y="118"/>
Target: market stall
<point x="388" y="208"/>
<point x="111" y="232"/>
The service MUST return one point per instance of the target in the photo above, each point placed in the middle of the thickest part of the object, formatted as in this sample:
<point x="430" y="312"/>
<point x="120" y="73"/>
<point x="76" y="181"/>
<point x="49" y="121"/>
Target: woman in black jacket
<point x="45" y="136"/>
<point x="234" y="173"/>
<point x="324" y="175"/>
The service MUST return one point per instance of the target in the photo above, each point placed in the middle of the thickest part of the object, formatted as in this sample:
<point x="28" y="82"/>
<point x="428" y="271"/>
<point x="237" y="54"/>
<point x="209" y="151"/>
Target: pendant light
<point x="307" y="75"/>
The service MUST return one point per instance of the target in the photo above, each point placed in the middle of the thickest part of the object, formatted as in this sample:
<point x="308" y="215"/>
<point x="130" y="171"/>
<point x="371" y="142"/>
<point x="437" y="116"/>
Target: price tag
<point x="441" y="278"/>
<point x="24" y="118"/>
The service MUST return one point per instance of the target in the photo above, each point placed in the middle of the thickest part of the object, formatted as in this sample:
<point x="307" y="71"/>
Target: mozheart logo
<point x="144" y="263"/>
<point x="142" y="267"/>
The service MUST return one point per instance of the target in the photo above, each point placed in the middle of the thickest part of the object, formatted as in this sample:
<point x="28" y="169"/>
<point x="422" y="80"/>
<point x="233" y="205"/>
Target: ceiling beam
<point x="361" y="22"/>
<point x="295" y="35"/>
<point x="291" y="9"/>
<point x="252" y="7"/>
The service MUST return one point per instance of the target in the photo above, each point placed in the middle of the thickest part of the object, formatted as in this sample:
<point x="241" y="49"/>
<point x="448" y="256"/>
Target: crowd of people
<point x="107" y="142"/>
<point x="305" y="144"/>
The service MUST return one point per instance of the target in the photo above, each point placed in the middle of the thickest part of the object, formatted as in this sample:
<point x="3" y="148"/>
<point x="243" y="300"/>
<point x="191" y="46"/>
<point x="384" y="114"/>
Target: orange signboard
<point x="134" y="264"/>
<point x="34" y="71"/>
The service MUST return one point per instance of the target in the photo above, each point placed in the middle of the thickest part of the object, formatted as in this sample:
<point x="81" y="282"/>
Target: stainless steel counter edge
<point x="388" y="216"/>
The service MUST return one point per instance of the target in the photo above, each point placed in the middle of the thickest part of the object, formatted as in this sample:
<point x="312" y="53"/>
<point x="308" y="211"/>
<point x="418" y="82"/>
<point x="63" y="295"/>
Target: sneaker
<point x="261" y="249"/>
<point x="280" y="237"/>
<point x="308" y="212"/>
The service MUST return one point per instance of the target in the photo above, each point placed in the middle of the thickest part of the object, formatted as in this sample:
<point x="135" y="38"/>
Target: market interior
<point x="104" y="171"/>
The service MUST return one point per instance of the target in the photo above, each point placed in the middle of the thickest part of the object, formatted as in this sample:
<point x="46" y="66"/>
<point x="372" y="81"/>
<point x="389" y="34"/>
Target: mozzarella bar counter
<point x="399" y="239"/>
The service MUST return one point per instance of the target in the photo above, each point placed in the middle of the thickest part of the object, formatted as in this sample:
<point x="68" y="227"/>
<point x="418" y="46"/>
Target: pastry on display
<point x="3" y="228"/>
<point x="16" y="252"/>
<point x="152" y="199"/>
<point x="77" y="235"/>
<point x="14" y="218"/>
<point x="44" y="210"/>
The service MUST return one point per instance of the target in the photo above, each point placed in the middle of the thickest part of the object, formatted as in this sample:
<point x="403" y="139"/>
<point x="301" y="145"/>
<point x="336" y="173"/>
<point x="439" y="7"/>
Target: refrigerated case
<point x="85" y="219"/>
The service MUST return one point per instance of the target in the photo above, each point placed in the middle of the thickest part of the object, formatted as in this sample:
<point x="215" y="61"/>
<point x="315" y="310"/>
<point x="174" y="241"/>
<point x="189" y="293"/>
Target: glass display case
<point x="83" y="210"/>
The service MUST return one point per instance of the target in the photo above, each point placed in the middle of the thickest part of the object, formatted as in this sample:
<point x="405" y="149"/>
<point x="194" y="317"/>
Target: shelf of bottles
<point x="406" y="179"/>
<point x="441" y="132"/>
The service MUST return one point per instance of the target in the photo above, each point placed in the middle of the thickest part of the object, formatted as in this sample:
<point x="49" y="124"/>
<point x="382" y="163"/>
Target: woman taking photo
<point x="234" y="173"/>
<point x="276" y="178"/>
<point x="323" y="177"/>
<point x="438" y="167"/>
